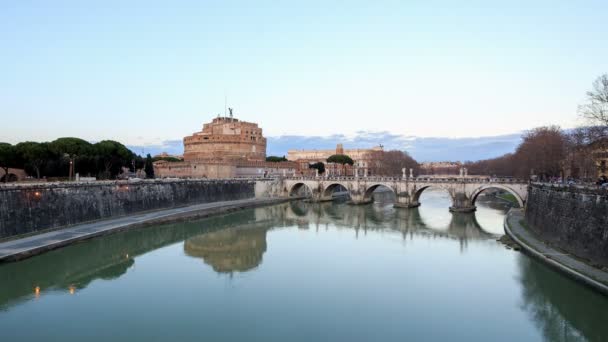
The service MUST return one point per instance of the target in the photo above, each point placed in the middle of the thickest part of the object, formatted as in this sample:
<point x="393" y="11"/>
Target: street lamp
<point x="71" y="176"/>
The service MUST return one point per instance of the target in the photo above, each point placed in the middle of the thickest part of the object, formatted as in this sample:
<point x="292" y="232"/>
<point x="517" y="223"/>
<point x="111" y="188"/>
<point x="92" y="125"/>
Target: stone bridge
<point x="463" y="190"/>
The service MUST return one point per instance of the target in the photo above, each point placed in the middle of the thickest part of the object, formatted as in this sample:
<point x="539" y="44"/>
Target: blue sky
<point x="144" y="72"/>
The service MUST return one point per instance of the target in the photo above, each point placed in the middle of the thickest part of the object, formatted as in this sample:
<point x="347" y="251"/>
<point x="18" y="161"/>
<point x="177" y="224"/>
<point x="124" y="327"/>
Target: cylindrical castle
<point x="226" y="138"/>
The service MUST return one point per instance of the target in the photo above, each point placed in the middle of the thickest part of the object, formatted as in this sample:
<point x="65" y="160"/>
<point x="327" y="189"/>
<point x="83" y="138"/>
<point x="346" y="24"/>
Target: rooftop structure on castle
<point x="226" y="138"/>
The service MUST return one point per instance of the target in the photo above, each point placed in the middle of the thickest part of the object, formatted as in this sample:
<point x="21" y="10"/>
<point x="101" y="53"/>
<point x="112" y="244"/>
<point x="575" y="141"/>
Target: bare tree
<point x="543" y="150"/>
<point x="390" y="163"/>
<point x="596" y="108"/>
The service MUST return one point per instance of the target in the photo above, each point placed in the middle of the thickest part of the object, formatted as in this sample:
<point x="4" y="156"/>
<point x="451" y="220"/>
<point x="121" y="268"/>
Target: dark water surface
<point x="301" y="272"/>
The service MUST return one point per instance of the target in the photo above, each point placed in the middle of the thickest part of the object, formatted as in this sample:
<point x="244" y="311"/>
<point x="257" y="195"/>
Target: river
<point x="301" y="272"/>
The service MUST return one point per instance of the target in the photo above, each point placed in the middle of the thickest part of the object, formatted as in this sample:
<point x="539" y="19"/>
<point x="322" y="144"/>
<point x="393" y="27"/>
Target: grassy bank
<point x="509" y="198"/>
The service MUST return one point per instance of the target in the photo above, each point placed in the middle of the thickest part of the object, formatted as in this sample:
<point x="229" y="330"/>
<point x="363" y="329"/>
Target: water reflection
<point x="382" y="216"/>
<point x="232" y="243"/>
<point x="229" y="250"/>
<point x="106" y="258"/>
<point x="558" y="306"/>
<point x="561" y="309"/>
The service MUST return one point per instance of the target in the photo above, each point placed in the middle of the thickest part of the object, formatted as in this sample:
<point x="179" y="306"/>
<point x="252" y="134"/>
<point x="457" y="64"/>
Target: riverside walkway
<point x="556" y="258"/>
<point x="22" y="248"/>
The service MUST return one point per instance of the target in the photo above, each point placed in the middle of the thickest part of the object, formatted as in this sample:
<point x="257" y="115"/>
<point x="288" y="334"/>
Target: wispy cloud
<point x="423" y="149"/>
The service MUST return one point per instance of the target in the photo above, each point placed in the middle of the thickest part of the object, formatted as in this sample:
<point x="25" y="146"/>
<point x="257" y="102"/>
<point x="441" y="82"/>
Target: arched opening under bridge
<point x="300" y="190"/>
<point x="379" y="193"/>
<point x="434" y="202"/>
<point x="336" y="190"/>
<point x="436" y="193"/>
<point x="501" y="192"/>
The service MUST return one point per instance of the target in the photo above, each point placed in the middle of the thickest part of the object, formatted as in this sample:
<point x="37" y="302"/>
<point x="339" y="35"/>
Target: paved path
<point x="564" y="262"/>
<point x="23" y="248"/>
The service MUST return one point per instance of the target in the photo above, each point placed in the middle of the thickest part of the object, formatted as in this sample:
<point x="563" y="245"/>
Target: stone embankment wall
<point x="573" y="219"/>
<point x="31" y="208"/>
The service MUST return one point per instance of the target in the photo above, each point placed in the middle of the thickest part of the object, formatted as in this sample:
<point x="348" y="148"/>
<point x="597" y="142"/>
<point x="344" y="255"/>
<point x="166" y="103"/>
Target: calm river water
<point x="301" y="272"/>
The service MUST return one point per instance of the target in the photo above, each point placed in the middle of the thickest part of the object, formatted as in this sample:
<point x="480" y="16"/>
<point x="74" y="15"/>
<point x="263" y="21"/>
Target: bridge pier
<point x="462" y="204"/>
<point x="358" y="198"/>
<point x="405" y="200"/>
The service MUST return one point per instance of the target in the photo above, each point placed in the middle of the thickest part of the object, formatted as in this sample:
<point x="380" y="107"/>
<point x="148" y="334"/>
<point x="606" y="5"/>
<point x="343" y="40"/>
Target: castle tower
<point x="226" y="138"/>
<point x="339" y="149"/>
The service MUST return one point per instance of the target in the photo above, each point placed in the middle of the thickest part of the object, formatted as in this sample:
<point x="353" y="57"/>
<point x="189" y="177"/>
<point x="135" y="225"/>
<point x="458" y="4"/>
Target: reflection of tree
<point x="229" y="250"/>
<point x="105" y="257"/>
<point x="562" y="309"/>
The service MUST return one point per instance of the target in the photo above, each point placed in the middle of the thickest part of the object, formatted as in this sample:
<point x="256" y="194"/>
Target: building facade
<point x="600" y="157"/>
<point x="357" y="154"/>
<point x="362" y="157"/>
<point x="13" y="175"/>
<point x="440" y="168"/>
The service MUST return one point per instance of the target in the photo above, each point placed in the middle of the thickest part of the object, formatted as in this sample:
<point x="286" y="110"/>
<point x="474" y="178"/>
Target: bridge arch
<point x="330" y="188"/>
<point x="297" y="188"/>
<point x="369" y="191"/>
<point x="418" y="193"/>
<point x="482" y="188"/>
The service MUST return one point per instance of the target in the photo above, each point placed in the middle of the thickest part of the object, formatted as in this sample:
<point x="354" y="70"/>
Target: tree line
<point x="549" y="151"/>
<point x="104" y="159"/>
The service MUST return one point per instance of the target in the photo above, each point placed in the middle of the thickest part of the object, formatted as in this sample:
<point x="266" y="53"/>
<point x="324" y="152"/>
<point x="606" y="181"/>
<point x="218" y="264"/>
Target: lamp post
<point x="71" y="175"/>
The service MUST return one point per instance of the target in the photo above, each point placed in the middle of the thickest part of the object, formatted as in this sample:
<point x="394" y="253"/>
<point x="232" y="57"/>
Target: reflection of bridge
<point x="462" y="227"/>
<point x="463" y="190"/>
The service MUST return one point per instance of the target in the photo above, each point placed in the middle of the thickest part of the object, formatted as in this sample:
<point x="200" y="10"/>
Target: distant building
<point x="440" y="168"/>
<point x="600" y="156"/>
<point x="358" y="154"/>
<point x="167" y="156"/>
<point x="587" y="162"/>
<point x="14" y="175"/>
<point x="361" y="156"/>
<point x="224" y="148"/>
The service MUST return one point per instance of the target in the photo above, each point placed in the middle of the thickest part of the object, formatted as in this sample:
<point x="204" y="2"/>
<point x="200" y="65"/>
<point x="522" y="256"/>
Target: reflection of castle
<point x="229" y="250"/>
<point x="224" y="148"/>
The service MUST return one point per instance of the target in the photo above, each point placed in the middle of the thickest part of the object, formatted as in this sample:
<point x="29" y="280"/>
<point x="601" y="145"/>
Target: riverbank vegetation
<point x="65" y="157"/>
<point x="551" y="152"/>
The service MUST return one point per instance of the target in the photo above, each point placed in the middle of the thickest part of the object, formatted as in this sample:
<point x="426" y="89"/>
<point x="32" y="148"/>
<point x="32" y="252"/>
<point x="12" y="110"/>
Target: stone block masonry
<point x="36" y="207"/>
<point x="572" y="219"/>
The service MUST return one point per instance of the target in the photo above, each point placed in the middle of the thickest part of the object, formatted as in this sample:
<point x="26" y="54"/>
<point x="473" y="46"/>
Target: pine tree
<point x="149" y="168"/>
